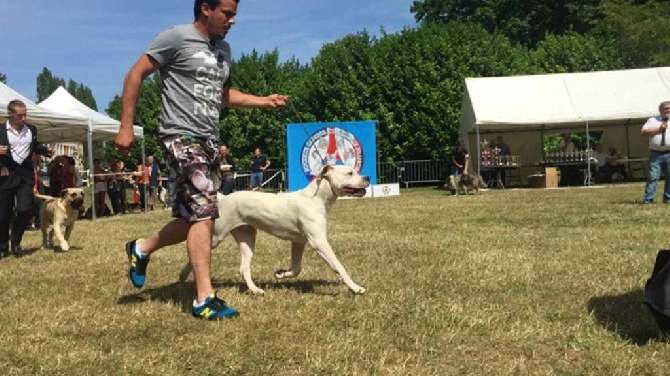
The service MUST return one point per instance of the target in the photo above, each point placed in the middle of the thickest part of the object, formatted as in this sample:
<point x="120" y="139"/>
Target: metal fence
<point x="406" y="173"/>
<point x="274" y="180"/>
<point x="413" y="172"/>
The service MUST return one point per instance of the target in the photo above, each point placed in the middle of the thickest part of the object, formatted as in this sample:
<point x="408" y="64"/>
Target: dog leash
<point x="302" y="123"/>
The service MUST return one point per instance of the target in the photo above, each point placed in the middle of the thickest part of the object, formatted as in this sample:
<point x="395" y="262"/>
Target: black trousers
<point x="227" y="186"/>
<point x="20" y="198"/>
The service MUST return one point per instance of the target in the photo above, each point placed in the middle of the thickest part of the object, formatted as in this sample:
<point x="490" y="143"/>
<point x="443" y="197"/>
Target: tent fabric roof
<point x="51" y="126"/>
<point x="563" y="100"/>
<point x="104" y="127"/>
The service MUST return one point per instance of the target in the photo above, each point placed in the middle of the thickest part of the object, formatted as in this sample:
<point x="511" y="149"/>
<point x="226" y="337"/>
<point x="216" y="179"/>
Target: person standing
<point x="460" y="160"/>
<point x="99" y="187"/>
<point x="505" y="152"/>
<point x="155" y="182"/>
<point x="656" y="129"/>
<point x="142" y="173"/>
<point x="194" y="62"/>
<point x="18" y="141"/>
<point x="258" y="164"/>
<point x="227" y="171"/>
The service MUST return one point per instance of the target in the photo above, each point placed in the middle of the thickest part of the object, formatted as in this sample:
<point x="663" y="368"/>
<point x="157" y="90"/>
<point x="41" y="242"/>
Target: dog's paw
<point x="64" y="247"/>
<point x="356" y="289"/>
<point x="257" y="291"/>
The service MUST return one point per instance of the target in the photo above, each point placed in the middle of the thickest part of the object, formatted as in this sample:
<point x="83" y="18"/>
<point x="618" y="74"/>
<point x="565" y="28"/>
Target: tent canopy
<point x="523" y="108"/>
<point x="103" y="126"/>
<point x="51" y="126"/>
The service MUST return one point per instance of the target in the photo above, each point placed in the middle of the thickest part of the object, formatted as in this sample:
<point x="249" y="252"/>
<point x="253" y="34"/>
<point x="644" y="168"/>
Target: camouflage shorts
<point x="195" y="164"/>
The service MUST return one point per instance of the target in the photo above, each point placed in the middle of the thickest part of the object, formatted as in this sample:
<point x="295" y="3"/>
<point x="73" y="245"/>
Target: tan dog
<point x="58" y="215"/>
<point x="299" y="217"/>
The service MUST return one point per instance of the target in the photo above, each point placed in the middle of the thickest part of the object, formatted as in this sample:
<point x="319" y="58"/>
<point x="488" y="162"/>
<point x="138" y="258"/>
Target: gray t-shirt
<point x="194" y="72"/>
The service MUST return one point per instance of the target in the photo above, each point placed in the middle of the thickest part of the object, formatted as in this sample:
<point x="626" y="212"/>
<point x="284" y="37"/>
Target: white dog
<point x="299" y="217"/>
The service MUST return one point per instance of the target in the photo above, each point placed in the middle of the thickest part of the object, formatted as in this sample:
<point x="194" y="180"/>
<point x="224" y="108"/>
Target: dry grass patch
<point x="507" y="282"/>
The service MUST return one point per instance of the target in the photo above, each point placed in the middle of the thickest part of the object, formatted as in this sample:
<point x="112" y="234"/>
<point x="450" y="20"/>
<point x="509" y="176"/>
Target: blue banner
<point x="313" y="145"/>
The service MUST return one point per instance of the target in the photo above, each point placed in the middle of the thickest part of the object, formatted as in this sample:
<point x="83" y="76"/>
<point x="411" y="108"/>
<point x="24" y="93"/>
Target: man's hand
<point x="124" y="141"/>
<point x="276" y="100"/>
<point x="465" y="172"/>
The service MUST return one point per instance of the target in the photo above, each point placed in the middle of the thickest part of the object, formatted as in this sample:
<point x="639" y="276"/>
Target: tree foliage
<point x="3" y="78"/>
<point x="410" y="82"/>
<point x="243" y="129"/>
<point x="147" y="115"/>
<point x="639" y="29"/>
<point x="526" y="22"/>
<point x="574" y="52"/>
<point x="47" y="83"/>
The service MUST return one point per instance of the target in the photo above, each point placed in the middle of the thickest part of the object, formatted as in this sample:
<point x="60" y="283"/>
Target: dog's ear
<point x="326" y="170"/>
<point x="63" y="193"/>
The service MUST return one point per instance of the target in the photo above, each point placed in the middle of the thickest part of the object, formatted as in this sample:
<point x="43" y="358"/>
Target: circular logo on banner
<point x="336" y="146"/>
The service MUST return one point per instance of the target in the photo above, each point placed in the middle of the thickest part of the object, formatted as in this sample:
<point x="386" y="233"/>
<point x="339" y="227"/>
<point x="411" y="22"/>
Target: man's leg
<point x="6" y="212"/>
<point x="199" y="246"/>
<point x="142" y="188"/>
<point x="24" y="203"/>
<point x="227" y="187"/>
<point x="665" y="165"/>
<point x="654" y="175"/>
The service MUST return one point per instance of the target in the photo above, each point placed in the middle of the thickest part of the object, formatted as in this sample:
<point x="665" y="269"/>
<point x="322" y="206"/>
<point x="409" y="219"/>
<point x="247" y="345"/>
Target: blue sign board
<point x="314" y="145"/>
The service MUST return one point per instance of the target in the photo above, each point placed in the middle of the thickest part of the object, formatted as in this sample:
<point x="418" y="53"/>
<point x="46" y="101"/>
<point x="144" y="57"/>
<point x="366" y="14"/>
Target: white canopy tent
<point x="100" y="127"/>
<point x="524" y="108"/>
<point x="51" y="126"/>
<point x="104" y="127"/>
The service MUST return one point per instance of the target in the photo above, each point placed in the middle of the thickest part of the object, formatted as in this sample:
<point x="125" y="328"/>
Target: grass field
<point x="516" y="282"/>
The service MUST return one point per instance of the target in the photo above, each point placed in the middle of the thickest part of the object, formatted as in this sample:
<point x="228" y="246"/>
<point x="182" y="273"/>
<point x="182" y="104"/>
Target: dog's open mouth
<point x="354" y="191"/>
<point x="77" y="203"/>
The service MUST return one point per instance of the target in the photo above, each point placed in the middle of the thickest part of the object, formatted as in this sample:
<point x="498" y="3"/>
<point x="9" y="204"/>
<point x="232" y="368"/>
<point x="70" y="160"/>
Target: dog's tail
<point x="45" y="197"/>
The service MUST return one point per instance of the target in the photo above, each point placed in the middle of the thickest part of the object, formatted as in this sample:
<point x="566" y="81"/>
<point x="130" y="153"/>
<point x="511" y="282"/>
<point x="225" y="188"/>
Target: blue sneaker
<point x="214" y="309"/>
<point x="137" y="270"/>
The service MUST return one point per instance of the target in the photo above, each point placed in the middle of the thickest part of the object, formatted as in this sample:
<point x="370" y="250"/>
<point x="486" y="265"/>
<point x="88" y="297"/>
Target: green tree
<point x="639" y="29"/>
<point x="147" y="114"/>
<point x="3" y="78"/>
<point x="47" y="83"/>
<point x="574" y="52"/>
<point x="411" y="82"/>
<point x="244" y="129"/>
<point x="525" y="22"/>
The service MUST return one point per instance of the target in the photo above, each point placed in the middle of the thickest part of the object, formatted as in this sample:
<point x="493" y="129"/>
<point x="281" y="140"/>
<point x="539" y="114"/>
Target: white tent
<point x="103" y="127"/>
<point x="524" y="108"/>
<point x="100" y="127"/>
<point x="51" y="126"/>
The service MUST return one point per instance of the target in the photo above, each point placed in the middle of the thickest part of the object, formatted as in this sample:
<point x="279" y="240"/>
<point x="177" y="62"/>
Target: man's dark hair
<point x="197" y="7"/>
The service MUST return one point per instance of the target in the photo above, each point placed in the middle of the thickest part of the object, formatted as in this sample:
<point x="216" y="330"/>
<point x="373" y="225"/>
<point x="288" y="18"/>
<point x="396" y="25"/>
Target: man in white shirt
<point x="659" y="157"/>
<point x="18" y="141"/>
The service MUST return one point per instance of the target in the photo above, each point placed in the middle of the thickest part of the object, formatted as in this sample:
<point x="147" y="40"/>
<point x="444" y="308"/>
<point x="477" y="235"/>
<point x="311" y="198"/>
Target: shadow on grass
<point x="634" y="202"/>
<point x="626" y="316"/>
<point x="182" y="293"/>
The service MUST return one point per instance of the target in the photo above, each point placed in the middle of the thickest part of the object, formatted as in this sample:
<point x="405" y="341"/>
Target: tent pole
<point x="91" y="181"/>
<point x="588" y="155"/>
<point x="146" y="198"/>
<point x="627" y="139"/>
<point x="479" y="152"/>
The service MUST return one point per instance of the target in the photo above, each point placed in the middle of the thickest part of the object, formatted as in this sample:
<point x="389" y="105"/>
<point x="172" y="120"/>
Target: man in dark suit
<point x="18" y="141"/>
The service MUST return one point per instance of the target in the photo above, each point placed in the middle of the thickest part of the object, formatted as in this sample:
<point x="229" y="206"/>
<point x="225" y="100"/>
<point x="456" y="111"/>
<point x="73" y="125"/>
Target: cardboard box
<point x="547" y="180"/>
<point x="551" y="177"/>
